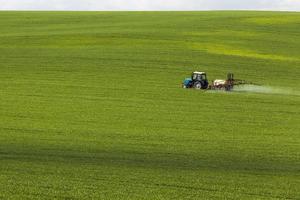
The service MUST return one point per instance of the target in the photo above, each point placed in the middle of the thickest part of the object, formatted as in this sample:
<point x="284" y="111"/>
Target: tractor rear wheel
<point x="198" y="85"/>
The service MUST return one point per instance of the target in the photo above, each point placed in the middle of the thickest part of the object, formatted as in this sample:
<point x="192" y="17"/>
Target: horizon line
<point x="134" y="10"/>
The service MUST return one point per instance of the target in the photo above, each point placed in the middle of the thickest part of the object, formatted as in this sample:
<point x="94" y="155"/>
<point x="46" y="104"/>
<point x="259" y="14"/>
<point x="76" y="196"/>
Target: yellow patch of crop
<point x="227" y="33"/>
<point x="274" y="20"/>
<point x="222" y="49"/>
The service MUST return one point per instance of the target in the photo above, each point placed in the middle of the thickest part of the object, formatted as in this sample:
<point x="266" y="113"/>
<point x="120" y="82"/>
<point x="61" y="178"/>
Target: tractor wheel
<point x="228" y="87"/>
<point x="198" y="85"/>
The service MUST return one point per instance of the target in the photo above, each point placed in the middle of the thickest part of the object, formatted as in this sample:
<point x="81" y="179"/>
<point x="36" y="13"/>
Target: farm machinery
<point x="199" y="81"/>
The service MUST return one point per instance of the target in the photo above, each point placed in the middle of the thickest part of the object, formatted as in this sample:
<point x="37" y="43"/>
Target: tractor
<point x="198" y="81"/>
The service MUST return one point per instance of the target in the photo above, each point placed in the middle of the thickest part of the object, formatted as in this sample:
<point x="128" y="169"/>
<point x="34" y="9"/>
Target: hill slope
<point x="92" y="106"/>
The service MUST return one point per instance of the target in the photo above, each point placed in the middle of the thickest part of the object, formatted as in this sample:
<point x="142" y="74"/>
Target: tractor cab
<point x="199" y="76"/>
<point x="198" y="80"/>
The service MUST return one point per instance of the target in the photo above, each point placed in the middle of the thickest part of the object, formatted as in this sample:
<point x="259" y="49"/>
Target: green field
<point x="91" y="106"/>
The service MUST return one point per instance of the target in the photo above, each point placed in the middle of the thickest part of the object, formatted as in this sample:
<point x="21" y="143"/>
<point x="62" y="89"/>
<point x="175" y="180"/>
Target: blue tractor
<point x="198" y="81"/>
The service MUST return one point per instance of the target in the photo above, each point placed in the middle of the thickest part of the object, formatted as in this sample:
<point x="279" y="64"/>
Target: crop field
<point x="91" y="106"/>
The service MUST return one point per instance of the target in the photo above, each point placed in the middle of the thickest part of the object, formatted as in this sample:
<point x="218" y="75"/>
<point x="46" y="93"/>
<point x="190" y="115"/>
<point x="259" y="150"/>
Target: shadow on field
<point x="159" y="160"/>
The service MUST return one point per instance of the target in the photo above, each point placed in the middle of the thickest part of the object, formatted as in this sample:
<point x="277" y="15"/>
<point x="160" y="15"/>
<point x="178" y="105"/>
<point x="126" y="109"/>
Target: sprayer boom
<point x="228" y="84"/>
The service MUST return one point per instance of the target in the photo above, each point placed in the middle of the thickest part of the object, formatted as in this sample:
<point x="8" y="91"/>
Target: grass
<point x="92" y="106"/>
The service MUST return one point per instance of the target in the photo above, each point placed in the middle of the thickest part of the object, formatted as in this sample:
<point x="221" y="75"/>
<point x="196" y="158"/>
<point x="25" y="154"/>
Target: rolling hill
<point x="92" y="106"/>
